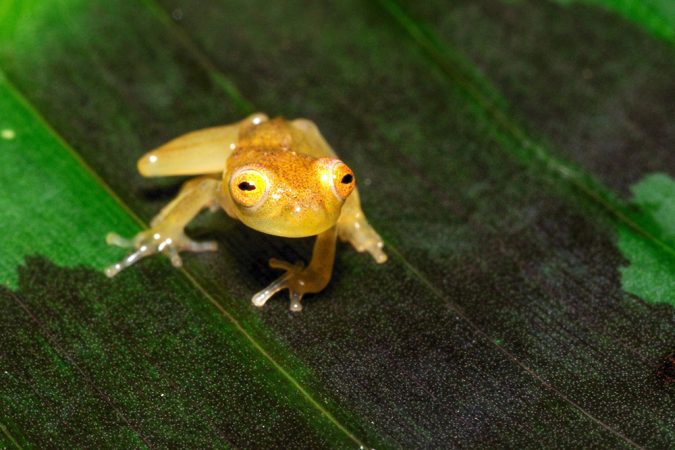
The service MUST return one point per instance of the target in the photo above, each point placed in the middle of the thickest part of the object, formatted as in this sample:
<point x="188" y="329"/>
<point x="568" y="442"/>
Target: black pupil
<point x="347" y="179"/>
<point x="246" y="186"/>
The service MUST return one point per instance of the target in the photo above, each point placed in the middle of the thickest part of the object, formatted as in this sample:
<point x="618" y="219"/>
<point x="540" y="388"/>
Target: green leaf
<point x="649" y="274"/>
<point x="55" y="200"/>
<point x="91" y="361"/>
<point x="499" y="321"/>
<point x="657" y="16"/>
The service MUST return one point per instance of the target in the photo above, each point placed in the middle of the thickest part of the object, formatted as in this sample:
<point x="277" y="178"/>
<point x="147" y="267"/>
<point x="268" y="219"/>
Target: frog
<point x="276" y="176"/>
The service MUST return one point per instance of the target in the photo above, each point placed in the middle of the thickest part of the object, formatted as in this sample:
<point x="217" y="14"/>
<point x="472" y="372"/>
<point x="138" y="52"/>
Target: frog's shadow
<point x="161" y="190"/>
<point x="243" y="253"/>
<point x="249" y="252"/>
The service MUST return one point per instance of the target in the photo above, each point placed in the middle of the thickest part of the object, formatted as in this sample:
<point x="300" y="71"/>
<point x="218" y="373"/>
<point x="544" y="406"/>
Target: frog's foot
<point x="363" y="238"/>
<point x="153" y="241"/>
<point x="297" y="279"/>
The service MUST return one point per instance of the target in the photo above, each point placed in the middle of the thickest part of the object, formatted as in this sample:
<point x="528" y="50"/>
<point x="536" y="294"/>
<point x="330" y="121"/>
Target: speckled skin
<point x="294" y="186"/>
<point x="298" y="204"/>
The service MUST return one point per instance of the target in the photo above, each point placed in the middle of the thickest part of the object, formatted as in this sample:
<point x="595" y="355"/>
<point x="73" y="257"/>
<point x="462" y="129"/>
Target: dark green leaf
<point x="500" y="319"/>
<point x="143" y="360"/>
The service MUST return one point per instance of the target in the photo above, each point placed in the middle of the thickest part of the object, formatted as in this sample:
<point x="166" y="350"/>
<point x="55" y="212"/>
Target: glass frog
<point x="276" y="176"/>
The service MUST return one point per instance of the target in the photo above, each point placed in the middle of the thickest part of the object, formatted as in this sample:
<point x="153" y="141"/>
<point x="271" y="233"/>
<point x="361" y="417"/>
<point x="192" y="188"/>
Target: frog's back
<point x="273" y="135"/>
<point x="277" y="146"/>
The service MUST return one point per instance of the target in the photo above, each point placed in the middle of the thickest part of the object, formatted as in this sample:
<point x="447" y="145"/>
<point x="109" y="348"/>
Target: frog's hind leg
<point x="196" y="153"/>
<point x="166" y="233"/>
<point x="352" y="226"/>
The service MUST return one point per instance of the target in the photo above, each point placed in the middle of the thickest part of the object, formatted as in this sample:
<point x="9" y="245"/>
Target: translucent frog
<point x="276" y="176"/>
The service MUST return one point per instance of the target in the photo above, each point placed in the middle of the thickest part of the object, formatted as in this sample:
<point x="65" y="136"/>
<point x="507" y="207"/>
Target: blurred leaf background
<point x="517" y="157"/>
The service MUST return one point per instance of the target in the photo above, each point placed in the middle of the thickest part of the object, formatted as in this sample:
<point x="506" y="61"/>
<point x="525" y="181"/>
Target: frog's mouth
<point x="293" y="222"/>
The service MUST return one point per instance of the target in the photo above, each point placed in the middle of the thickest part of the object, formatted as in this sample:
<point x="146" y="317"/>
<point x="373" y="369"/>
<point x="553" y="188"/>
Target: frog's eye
<point x="249" y="187"/>
<point x="343" y="180"/>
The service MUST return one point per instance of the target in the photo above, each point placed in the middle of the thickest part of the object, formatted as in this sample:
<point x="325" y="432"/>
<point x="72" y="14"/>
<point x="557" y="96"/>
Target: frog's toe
<point x="295" y="304"/>
<point x="174" y="257"/>
<point x="375" y="250"/>
<point x="118" y="241"/>
<point x="290" y="280"/>
<point x="182" y="243"/>
<point x="364" y="239"/>
<point x="152" y="241"/>
<point x="199" y="246"/>
<point x="172" y="248"/>
<point x="130" y="259"/>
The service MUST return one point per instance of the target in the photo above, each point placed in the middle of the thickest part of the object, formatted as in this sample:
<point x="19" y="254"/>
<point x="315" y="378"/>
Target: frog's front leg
<point x="353" y="227"/>
<point x="300" y="280"/>
<point x="166" y="234"/>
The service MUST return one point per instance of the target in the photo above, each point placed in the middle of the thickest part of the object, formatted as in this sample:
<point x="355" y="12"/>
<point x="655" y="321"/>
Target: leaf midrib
<point x="8" y="435"/>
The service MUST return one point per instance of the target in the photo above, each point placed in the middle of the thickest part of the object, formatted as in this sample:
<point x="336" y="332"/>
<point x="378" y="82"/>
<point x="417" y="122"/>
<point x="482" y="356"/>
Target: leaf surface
<point x="500" y="319"/>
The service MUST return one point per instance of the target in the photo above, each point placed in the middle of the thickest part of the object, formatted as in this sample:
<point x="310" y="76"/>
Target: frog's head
<point x="288" y="194"/>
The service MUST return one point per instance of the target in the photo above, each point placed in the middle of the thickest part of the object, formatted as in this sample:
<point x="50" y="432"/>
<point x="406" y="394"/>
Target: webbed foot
<point x="298" y="279"/>
<point x="156" y="240"/>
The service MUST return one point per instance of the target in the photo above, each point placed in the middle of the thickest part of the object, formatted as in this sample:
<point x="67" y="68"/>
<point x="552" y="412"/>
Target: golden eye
<point x="248" y="188"/>
<point x="343" y="180"/>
